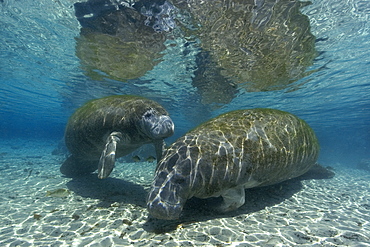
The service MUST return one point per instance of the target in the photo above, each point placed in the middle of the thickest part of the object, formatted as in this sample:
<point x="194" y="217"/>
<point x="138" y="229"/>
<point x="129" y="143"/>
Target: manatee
<point x="108" y="128"/>
<point x="227" y="154"/>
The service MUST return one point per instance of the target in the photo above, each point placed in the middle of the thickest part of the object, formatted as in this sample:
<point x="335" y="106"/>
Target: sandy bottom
<point x="111" y="212"/>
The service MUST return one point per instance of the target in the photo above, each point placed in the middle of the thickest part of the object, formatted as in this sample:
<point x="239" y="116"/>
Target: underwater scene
<point x="185" y="123"/>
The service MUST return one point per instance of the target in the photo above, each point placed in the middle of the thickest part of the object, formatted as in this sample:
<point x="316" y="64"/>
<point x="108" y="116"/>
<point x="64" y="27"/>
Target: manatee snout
<point x="167" y="197"/>
<point x="162" y="209"/>
<point x="163" y="128"/>
<point x="157" y="126"/>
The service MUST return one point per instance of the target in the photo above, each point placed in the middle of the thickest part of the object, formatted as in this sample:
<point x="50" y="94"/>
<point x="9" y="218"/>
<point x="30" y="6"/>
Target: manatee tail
<point x="108" y="156"/>
<point x="73" y="167"/>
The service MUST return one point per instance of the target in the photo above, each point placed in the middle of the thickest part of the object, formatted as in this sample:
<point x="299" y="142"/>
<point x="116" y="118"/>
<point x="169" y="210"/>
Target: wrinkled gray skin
<point x="224" y="156"/>
<point x="111" y="127"/>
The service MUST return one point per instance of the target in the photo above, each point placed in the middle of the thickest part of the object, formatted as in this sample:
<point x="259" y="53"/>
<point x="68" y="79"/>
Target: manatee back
<point x="254" y="147"/>
<point x="279" y="146"/>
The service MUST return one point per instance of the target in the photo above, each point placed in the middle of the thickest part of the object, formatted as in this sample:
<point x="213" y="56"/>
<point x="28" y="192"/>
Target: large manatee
<point x="234" y="151"/>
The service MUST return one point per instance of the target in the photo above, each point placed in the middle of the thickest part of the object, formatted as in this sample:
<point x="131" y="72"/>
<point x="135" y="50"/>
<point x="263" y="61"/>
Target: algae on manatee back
<point x="58" y="193"/>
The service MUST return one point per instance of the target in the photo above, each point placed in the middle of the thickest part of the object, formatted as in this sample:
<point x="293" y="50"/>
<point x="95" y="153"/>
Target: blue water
<point x="42" y="81"/>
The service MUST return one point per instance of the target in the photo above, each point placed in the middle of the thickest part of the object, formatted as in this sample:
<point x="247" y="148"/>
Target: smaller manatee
<point x="104" y="129"/>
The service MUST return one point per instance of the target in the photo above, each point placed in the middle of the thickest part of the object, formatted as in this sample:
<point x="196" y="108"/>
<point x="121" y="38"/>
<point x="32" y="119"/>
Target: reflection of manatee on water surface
<point x="259" y="45"/>
<point x="214" y="88"/>
<point x="265" y="44"/>
<point x="124" y="41"/>
<point x="117" y="40"/>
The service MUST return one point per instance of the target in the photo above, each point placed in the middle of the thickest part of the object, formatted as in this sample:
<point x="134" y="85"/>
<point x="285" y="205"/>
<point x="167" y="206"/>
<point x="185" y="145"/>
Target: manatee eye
<point x="148" y="114"/>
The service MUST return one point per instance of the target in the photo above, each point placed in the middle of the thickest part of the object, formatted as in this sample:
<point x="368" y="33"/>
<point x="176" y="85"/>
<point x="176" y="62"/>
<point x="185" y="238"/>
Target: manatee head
<point x="156" y="125"/>
<point x="171" y="186"/>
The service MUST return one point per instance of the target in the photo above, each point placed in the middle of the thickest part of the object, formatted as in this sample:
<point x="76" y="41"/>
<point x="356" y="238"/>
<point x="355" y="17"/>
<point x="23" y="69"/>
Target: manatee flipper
<point x="159" y="146"/>
<point x="108" y="156"/>
<point x="232" y="199"/>
<point x="74" y="167"/>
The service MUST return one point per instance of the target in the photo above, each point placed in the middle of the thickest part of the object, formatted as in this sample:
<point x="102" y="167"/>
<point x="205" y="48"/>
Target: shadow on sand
<point x="108" y="190"/>
<point x="198" y="210"/>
